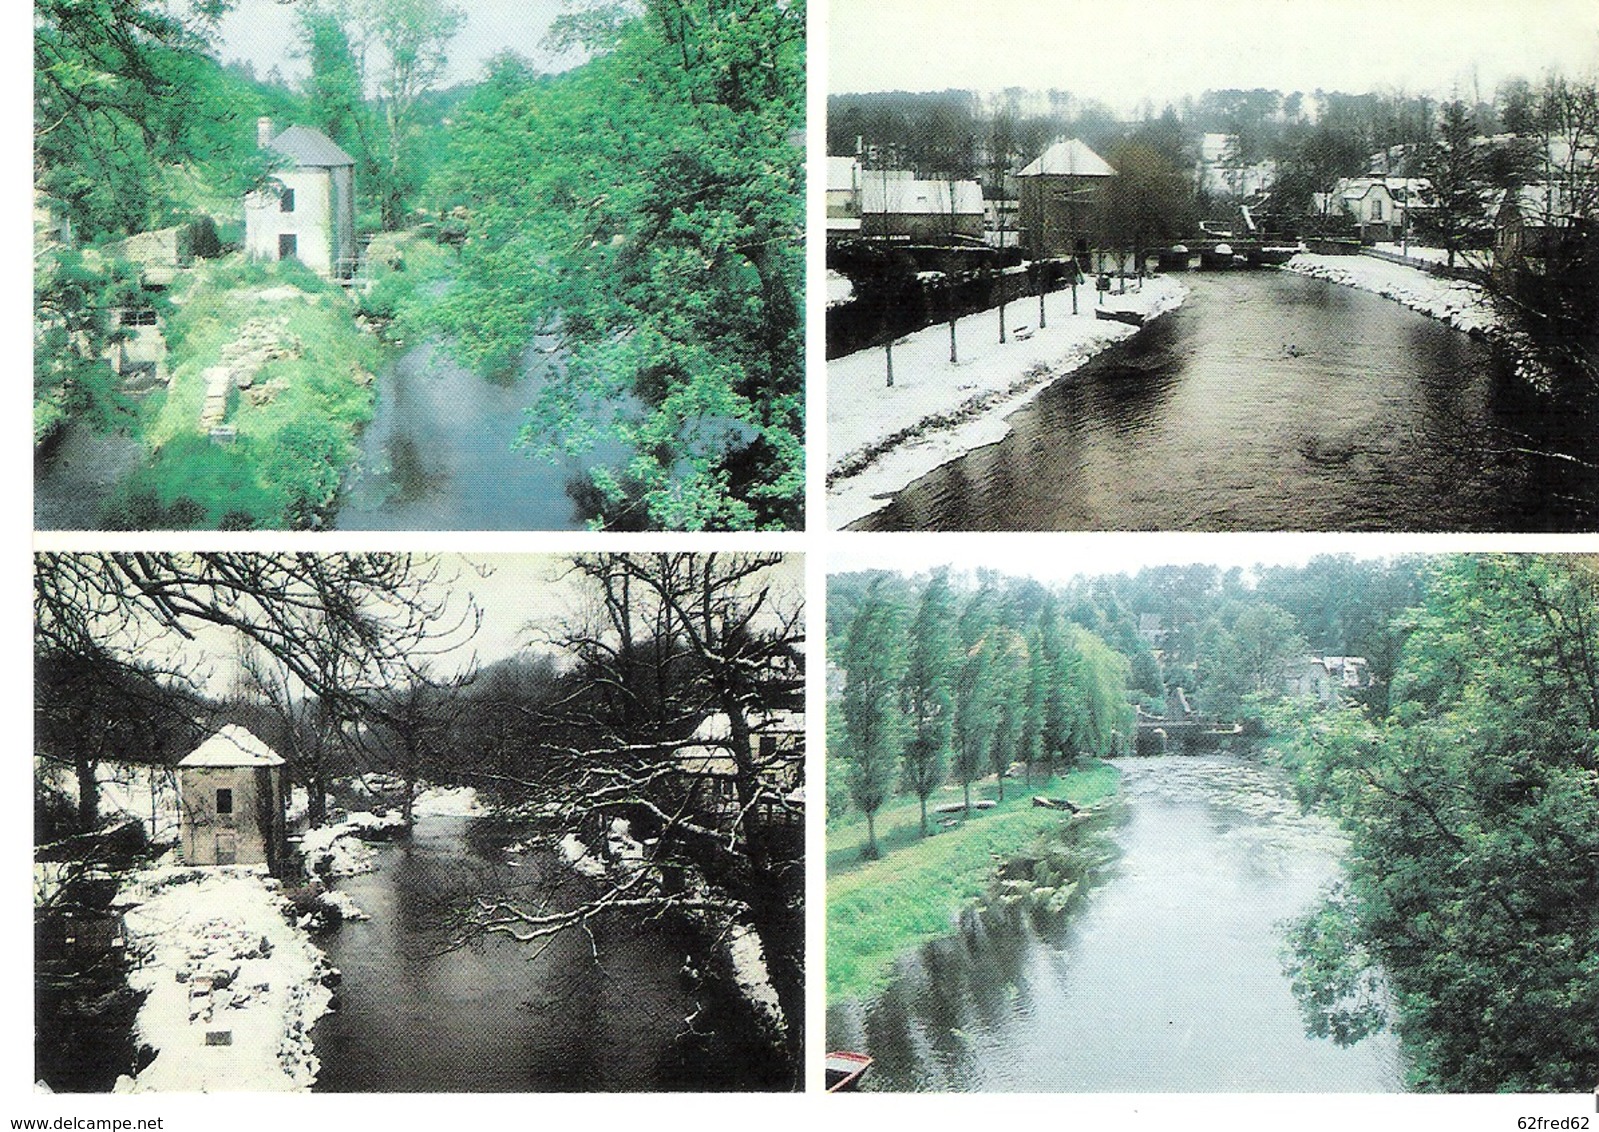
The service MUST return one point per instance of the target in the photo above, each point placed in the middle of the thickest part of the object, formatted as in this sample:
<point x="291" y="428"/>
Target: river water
<point x="501" y="1016"/>
<point x="1168" y="979"/>
<point x="1270" y="401"/>
<point x="439" y="453"/>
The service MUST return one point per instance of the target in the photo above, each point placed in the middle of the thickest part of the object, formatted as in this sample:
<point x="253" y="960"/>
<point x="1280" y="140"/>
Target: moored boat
<point x="845" y="1070"/>
<point x="1111" y="314"/>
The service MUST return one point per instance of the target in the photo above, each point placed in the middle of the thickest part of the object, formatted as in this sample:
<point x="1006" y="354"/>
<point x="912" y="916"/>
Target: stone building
<point x="233" y="801"/>
<point x="308" y="213"/>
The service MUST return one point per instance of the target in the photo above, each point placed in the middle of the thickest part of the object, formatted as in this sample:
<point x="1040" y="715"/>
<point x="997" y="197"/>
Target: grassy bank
<point x="306" y="368"/>
<point x="876" y="910"/>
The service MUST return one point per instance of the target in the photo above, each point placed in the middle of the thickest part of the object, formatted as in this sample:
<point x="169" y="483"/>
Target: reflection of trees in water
<point x="950" y="998"/>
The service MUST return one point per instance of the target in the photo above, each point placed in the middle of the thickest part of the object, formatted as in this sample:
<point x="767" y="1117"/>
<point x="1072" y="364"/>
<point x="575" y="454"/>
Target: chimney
<point x="263" y="132"/>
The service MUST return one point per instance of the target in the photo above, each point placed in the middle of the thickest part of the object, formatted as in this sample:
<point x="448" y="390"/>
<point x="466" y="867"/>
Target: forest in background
<point x="645" y="208"/>
<point x="1465" y="774"/>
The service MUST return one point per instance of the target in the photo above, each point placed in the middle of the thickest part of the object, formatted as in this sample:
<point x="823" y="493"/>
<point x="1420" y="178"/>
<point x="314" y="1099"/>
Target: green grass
<point x="292" y="450"/>
<point x="876" y="910"/>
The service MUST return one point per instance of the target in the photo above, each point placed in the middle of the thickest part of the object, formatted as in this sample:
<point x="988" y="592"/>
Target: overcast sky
<point x="1059" y="558"/>
<point x="265" y="33"/>
<point x="1123" y="51"/>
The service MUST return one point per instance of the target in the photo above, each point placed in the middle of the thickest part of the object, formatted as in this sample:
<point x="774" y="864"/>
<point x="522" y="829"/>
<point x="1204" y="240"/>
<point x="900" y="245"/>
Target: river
<point x="1270" y="401"/>
<point x="1168" y="979"/>
<point x="439" y="453"/>
<point x="503" y="1016"/>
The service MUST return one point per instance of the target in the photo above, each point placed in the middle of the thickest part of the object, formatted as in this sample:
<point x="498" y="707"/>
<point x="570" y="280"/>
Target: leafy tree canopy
<point x="648" y="209"/>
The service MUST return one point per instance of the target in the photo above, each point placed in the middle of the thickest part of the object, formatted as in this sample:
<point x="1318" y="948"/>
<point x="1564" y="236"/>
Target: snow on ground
<point x="748" y="958"/>
<point x="338" y="850"/>
<point x="1454" y="302"/>
<point x="839" y="288"/>
<point x="1462" y="305"/>
<point x="136" y="791"/>
<point x="448" y="801"/>
<point x="222" y="963"/>
<point x="1435" y="255"/>
<point x="881" y="439"/>
<point x="576" y="854"/>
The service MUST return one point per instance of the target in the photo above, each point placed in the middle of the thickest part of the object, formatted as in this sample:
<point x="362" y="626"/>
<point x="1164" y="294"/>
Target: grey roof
<point x="1071" y="158"/>
<point x="233" y="746"/>
<point x="310" y="147"/>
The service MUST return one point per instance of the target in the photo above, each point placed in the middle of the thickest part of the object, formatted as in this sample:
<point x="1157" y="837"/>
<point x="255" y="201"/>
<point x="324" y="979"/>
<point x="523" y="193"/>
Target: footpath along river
<point x="1270" y="401"/>
<point x="1168" y="979"/>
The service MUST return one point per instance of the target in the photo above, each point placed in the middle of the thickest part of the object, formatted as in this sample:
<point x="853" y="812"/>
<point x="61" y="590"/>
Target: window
<point x="138" y="318"/>
<point x="288" y="247"/>
<point x="286" y="201"/>
<point x="768" y="746"/>
<point x="224" y="801"/>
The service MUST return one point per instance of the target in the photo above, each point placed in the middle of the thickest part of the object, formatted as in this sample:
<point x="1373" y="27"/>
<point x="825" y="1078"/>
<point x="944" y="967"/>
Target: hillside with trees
<point x="1458" y="760"/>
<point x="642" y="210"/>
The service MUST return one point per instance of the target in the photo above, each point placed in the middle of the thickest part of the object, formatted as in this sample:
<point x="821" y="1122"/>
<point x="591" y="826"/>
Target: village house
<point x="843" y="197"/>
<point x="1326" y="678"/>
<point x="708" y="772"/>
<point x="1381" y="208"/>
<point x="233" y="801"/>
<point x="308" y="213"/>
<point x="1218" y="172"/>
<point x="896" y="205"/>
<point x="1062" y="200"/>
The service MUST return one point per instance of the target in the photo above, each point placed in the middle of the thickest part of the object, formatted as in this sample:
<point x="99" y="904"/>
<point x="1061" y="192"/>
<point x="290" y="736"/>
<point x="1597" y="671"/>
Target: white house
<point x="233" y="801"/>
<point x="308" y="213"/>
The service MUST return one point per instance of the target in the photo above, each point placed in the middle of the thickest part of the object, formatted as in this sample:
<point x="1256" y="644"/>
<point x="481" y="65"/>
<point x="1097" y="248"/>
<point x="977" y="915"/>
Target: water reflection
<point x="1168" y="979"/>
<point x="439" y="453"/>
<point x="500" y="1015"/>
<point x="1274" y="402"/>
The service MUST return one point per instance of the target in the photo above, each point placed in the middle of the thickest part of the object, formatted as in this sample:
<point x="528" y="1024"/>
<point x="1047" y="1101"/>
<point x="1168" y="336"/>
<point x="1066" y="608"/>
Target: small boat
<point x="845" y="1070"/>
<point x="1111" y="314"/>
<point x="1054" y="803"/>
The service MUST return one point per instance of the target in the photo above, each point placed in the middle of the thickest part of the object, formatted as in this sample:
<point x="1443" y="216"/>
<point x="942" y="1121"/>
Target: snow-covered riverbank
<point x="882" y="439"/>
<point x="234" y="986"/>
<point x="1463" y="305"/>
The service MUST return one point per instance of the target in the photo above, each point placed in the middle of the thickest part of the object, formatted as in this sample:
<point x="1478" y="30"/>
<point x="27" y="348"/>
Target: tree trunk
<point x="871" y="837"/>
<point x="966" y="790"/>
<point x="888" y="353"/>
<point x="88" y="792"/>
<point x="1002" y="311"/>
<point x="923" y="798"/>
<point x="953" y="360"/>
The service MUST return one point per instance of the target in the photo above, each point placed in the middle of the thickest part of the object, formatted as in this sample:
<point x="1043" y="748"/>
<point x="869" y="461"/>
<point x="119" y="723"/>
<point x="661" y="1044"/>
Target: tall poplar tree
<point x="874" y="662"/>
<point x="929" y="692"/>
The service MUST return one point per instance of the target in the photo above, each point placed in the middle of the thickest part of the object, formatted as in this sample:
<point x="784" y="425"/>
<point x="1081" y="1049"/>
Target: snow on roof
<point x="310" y="147"/>
<point x="843" y="173"/>
<point x="714" y="728"/>
<point x="907" y="196"/>
<point x="1070" y="157"/>
<point x="232" y="746"/>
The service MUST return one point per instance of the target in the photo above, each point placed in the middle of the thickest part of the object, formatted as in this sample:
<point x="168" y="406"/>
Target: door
<point x="227" y="846"/>
<point x="288" y="246"/>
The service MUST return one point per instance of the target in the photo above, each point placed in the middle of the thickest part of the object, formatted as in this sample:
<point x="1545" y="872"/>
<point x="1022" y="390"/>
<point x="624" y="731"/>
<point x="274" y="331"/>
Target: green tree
<point x="974" y="693"/>
<point x="1474" y="816"/>
<point x="394" y="52"/>
<point x="874" y="659"/>
<point x="647" y="208"/>
<point x="1008" y="676"/>
<point x="928" y="692"/>
<point x="1102" y="718"/>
